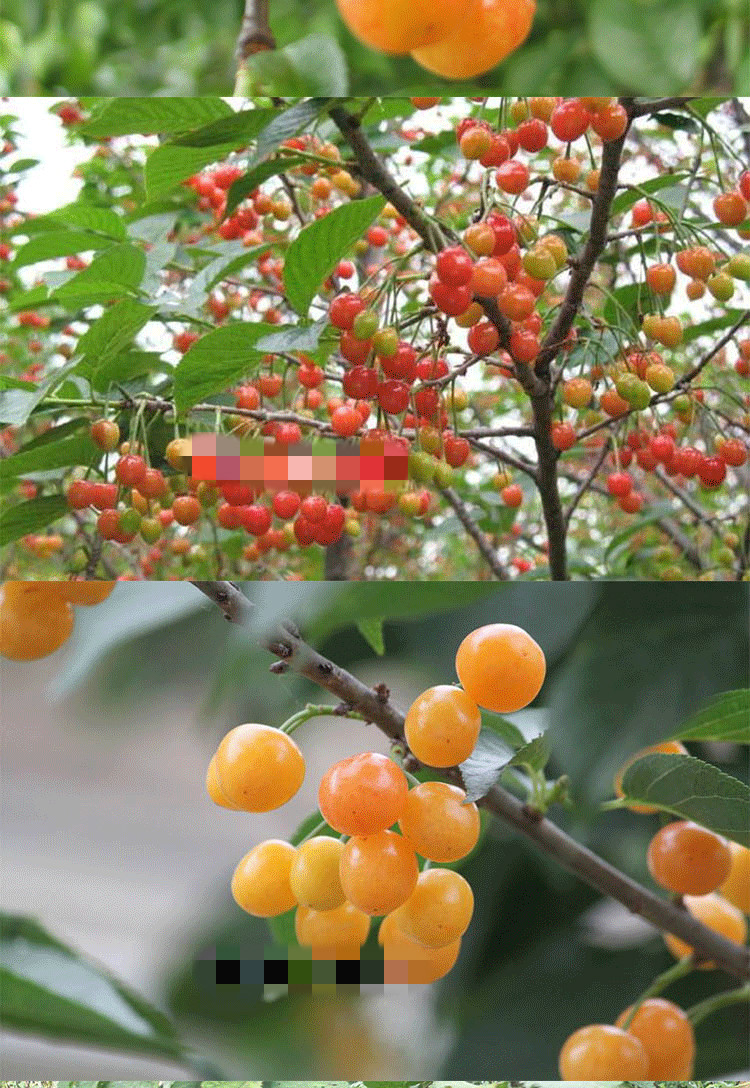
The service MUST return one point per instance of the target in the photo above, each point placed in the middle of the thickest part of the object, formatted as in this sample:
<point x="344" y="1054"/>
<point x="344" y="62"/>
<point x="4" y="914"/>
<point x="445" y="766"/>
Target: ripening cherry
<point x="569" y="120"/>
<point x="105" y="433"/>
<point x="378" y="871"/>
<point x="603" y="1051"/>
<point x="730" y="209"/>
<point x="512" y="177"/>
<point x="363" y="794"/>
<point x="483" y="338"/>
<point x="512" y="496"/>
<point x="255" y="519"/>
<point x="688" y="859"/>
<point x="666" y="1035"/>
<point x="488" y="277"/>
<point x="611" y="122"/>
<point x="563" y="436"/>
<point x="661" y="278"/>
<point x="516" y="302"/>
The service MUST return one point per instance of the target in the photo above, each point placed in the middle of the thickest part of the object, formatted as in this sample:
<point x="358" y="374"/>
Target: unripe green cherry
<point x="385" y="342"/>
<point x="365" y="325"/>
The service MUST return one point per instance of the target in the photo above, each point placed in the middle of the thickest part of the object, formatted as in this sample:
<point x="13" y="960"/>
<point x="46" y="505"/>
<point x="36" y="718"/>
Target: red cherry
<point x="532" y="134"/>
<point x="79" y="495"/>
<point x="286" y="504"/>
<point x="346" y="421"/>
<point x="456" y="450"/>
<point x="304" y="531"/>
<point x="663" y="448"/>
<point x="619" y="484"/>
<point x="236" y="493"/>
<point x="343" y="310"/>
<point x="569" y="120"/>
<point x="512" y="177"/>
<point x="313" y="508"/>
<point x="393" y="397"/>
<point x="712" y="471"/>
<point x="631" y="503"/>
<point x="451" y="300"/>
<point x="454" y="267"/>
<point x="360" y="382"/>
<point x="732" y="452"/>
<point x="130" y="470"/>
<point x="505" y="233"/>
<point x="255" y="519"/>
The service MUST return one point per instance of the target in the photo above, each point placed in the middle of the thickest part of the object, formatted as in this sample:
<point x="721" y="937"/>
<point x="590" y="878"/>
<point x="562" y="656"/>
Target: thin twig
<point x="462" y="513"/>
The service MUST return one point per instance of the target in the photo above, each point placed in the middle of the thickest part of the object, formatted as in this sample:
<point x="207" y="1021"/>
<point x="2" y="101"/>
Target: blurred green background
<point x="110" y="840"/>
<point x="174" y="47"/>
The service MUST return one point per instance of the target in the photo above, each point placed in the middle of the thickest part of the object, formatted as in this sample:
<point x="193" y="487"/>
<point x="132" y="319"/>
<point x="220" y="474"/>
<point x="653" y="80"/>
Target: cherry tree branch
<point x="255" y="36"/>
<point x="283" y="640"/>
<point x="462" y="513"/>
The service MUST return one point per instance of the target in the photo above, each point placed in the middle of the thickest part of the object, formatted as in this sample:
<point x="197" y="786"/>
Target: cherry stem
<point x="677" y="971"/>
<point x="315" y="710"/>
<point x="712" y="1004"/>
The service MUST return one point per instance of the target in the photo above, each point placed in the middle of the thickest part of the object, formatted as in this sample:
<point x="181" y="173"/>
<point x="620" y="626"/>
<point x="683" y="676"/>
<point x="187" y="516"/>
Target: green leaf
<point x="53" y="244"/>
<point x="534" y="755"/>
<point x="692" y="790"/>
<point x="654" y="46"/>
<point x="371" y="631"/>
<point x="118" y="267"/>
<point x="492" y="754"/>
<point x="216" y="361"/>
<point x="319" y="247"/>
<point x="626" y="200"/>
<point x="286" y="124"/>
<point x="508" y="732"/>
<point x="727" y="718"/>
<point x="173" y="163"/>
<point x="715" y="324"/>
<point x="98" y="220"/>
<point x="52" y="991"/>
<point x="123" y="367"/>
<point x="123" y="116"/>
<point x="112" y="333"/>
<point x="481" y="770"/>
<point x="294" y="338"/>
<point x="250" y="181"/>
<point x="75" y="449"/>
<point x="29" y="517"/>
<point x="312" y="65"/>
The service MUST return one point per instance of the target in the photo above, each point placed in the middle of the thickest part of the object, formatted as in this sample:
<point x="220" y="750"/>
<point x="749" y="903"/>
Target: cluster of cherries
<point x="654" y="1039"/>
<point x="354" y="865"/>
